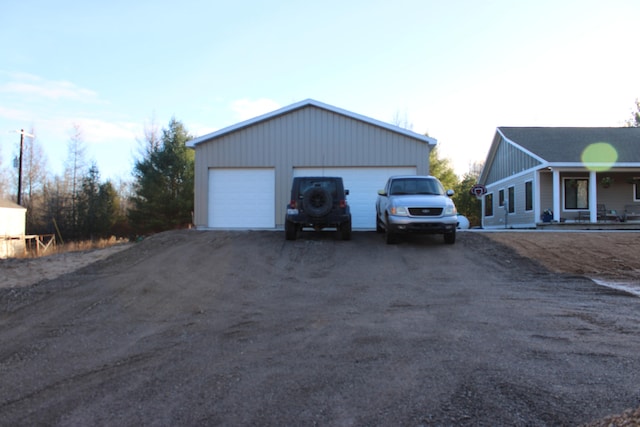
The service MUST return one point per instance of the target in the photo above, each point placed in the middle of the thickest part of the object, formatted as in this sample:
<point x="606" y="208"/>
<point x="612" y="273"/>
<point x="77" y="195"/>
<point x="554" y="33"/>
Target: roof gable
<point x="566" y="144"/>
<point x="506" y="158"/>
<point x="304" y="104"/>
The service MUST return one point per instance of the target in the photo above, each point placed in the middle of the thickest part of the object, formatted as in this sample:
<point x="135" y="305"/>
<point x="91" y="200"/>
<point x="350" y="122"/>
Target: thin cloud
<point x="93" y="131"/>
<point x="247" y="109"/>
<point x="22" y="84"/>
<point x="13" y="114"/>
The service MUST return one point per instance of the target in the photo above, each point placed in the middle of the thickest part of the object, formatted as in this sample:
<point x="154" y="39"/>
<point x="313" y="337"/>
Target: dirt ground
<point x="243" y="328"/>
<point x="609" y="255"/>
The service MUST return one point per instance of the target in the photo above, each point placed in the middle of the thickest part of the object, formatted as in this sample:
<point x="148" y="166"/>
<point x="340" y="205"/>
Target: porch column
<point x="593" y="197"/>
<point x="537" y="209"/>
<point x="556" y="195"/>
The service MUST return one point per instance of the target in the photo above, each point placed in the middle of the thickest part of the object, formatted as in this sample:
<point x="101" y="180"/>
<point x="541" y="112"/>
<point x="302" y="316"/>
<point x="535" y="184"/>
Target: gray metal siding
<point x="308" y="137"/>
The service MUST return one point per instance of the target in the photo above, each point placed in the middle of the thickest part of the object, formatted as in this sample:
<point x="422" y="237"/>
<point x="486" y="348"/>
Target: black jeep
<point x="318" y="202"/>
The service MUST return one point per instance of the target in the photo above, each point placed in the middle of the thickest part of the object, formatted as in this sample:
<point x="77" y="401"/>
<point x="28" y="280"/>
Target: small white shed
<point x="13" y="219"/>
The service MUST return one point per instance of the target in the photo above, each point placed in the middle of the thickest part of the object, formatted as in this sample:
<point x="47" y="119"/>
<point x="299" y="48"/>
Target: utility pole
<point x="22" y="135"/>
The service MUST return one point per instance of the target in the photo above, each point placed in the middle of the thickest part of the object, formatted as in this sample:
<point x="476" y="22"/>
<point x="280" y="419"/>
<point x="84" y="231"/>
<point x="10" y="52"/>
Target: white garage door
<point x="242" y="198"/>
<point x="363" y="185"/>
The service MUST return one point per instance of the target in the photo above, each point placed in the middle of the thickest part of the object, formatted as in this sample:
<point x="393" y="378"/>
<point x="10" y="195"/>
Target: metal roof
<point x="307" y="103"/>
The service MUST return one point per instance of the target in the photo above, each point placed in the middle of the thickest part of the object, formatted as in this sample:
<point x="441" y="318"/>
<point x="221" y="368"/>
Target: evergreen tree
<point x="466" y="203"/>
<point x="88" y="204"/>
<point x="164" y="181"/>
<point x="108" y="212"/>
<point x="441" y="169"/>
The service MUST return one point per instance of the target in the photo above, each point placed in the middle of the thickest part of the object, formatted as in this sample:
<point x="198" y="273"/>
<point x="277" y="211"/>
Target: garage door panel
<point x="241" y="198"/>
<point x="363" y="184"/>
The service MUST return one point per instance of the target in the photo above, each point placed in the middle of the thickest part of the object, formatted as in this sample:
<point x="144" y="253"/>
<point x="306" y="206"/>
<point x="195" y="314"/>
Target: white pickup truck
<point x="415" y="204"/>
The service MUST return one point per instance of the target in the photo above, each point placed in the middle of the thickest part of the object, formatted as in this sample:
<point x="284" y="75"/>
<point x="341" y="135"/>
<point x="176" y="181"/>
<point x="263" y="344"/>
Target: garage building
<point x="243" y="173"/>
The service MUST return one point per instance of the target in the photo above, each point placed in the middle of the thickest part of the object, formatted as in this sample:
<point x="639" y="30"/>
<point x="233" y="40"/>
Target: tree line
<point x="79" y="205"/>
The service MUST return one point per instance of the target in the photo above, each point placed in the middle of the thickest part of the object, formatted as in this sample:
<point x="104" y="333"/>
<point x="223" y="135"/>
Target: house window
<point x="636" y="189"/>
<point x="576" y="193"/>
<point x="528" y="196"/>
<point x="488" y="205"/>
<point x="512" y="199"/>
<point x="501" y="198"/>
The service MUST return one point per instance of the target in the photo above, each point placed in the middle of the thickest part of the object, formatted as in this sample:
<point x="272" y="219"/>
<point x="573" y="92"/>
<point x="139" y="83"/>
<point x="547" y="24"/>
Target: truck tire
<point x="450" y="238"/>
<point x="317" y="202"/>
<point x="390" y="237"/>
<point x="345" y="230"/>
<point x="290" y="230"/>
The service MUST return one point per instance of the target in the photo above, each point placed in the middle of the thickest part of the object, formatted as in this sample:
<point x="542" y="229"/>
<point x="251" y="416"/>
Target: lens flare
<point x="599" y="156"/>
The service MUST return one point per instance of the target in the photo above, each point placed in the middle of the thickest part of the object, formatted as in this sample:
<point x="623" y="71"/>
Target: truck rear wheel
<point x="345" y="230"/>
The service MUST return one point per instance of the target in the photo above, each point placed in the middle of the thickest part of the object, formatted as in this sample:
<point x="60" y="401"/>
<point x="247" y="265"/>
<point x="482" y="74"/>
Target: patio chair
<point x="602" y="212"/>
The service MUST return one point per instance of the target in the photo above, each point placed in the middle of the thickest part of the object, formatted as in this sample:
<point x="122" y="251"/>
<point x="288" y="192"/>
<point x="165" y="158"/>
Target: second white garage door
<point x="363" y="184"/>
<point x="242" y="198"/>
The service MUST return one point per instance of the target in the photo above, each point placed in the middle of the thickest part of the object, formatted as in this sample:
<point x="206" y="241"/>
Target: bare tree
<point x="4" y="182"/>
<point x="75" y="168"/>
<point x="475" y="168"/>
<point x="152" y="139"/>
<point x="634" y="121"/>
<point x="34" y="177"/>
<point x="402" y="120"/>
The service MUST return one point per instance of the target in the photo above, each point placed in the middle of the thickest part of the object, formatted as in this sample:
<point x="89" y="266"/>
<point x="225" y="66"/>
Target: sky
<point x="455" y="69"/>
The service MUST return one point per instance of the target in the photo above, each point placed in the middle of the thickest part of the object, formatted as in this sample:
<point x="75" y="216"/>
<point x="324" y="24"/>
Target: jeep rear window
<point x="305" y="184"/>
<point x="415" y="186"/>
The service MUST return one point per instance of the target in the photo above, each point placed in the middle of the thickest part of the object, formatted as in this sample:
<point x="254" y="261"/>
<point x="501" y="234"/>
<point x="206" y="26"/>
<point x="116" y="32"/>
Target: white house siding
<point x="520" y="218"/>
<point x="306" y="137"/>
<point x="510" y="166"/>
<point x="618" y="195"/>
<point x="546" y="191"/>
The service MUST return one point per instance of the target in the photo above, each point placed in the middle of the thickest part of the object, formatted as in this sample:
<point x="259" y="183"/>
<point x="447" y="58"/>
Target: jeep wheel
<point x="345" y="230"/>
<point x="317" y="202"/>
<point x="290" y="230"/>
<point x="450" y="238"/>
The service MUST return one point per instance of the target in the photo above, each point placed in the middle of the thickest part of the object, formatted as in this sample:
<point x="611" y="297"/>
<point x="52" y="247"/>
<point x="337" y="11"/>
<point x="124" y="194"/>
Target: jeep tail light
<point x="293" y="204"/>
<point x="343" y="203"/>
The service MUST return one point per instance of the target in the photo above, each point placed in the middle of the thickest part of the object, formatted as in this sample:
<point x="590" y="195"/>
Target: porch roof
<point x="566" y="144"/>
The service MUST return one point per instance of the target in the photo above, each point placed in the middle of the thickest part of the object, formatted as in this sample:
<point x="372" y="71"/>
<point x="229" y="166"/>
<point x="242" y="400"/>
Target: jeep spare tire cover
<point x="317" y="201"/>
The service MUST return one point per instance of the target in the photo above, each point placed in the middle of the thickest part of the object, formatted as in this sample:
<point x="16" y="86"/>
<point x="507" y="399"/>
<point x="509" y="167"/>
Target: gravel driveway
<point x="243" y="328"/>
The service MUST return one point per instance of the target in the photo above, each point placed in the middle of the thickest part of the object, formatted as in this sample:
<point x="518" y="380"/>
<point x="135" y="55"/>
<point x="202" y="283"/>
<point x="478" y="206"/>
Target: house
<point x="12" y="229"/>
<point x="243" y="173"/>
<point x="573" y="175"/>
